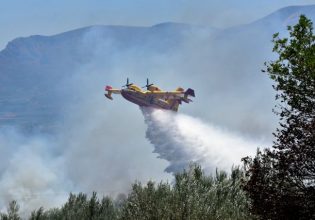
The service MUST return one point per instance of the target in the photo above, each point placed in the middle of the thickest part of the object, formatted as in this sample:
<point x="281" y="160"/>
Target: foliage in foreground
<point x="281" y="180"/>
<point x="193" y="195"/>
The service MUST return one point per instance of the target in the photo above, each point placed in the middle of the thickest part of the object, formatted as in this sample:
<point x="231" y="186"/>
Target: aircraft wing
<point x="166" y="95"/>
<point x="178" y="95"/>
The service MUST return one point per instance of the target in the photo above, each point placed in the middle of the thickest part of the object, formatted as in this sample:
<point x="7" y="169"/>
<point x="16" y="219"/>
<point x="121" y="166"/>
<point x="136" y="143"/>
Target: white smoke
<point x="39" y="170"/>
<point x="182" y="139"/>
<point x="31" y="173"/>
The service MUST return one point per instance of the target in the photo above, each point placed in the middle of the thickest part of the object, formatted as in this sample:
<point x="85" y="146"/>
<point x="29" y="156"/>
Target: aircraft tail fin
<point x="109" y="92"/>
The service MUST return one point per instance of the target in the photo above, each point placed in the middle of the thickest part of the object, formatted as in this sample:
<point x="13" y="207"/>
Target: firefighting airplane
<point x="153" y="96"/>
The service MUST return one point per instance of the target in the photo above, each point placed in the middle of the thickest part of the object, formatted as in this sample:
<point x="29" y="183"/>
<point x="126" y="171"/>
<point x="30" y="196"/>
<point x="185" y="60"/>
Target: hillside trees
<point x="80" y="207"/>
<point x="193" y="195"/>
<point x="12" y="212"/>
<point x="281" y="180"/>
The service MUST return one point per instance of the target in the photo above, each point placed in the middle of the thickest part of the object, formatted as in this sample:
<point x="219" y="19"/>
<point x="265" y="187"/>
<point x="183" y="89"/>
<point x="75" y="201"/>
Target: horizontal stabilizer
<point x="109" y="96"/>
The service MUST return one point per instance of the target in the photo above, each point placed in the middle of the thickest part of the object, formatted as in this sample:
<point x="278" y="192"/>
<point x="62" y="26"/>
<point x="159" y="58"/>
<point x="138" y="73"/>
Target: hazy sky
<point x="24" y="18"/>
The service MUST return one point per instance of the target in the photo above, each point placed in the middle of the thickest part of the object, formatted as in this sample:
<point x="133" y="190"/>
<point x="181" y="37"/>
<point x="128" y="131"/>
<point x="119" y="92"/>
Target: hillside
<point x="38" y="73"/>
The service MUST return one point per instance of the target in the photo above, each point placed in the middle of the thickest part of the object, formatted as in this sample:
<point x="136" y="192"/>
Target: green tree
<point x="37" y="214"/>
<point x="193" y="195"/>
<point x="12" y="212"/>
<point x="80" y="207"/>
<point x="281" y="180"/>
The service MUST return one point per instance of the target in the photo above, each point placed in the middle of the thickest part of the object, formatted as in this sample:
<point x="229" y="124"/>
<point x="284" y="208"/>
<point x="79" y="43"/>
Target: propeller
<point x="147" y="85"/>
<point x="127" y="84"/>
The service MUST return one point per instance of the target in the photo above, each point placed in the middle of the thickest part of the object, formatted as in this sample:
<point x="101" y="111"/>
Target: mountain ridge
<point x="34" y="69"/>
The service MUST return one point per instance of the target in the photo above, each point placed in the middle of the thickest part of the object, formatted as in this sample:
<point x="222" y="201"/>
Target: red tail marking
<point x="108" y="88"/>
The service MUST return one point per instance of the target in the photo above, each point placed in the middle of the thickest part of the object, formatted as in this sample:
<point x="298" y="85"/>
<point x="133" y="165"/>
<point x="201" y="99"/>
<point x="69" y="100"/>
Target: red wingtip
<point x="108" y="88"/>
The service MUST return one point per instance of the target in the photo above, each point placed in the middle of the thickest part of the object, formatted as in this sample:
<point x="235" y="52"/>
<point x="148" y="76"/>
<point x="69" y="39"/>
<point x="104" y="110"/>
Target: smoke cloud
<point x="41" y="170"/>
<point x="31" y="172"/>
<point x="182" y="139"/>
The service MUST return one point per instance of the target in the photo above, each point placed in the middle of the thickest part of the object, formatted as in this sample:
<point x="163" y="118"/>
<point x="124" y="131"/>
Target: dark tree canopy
<point x="281" y="180"/>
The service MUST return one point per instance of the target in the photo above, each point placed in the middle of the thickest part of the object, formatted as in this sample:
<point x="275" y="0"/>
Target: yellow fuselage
<point x="147" y="98"/>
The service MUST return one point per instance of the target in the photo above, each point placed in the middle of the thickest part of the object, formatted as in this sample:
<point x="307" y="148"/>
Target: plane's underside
<point x="147" y="100"/>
